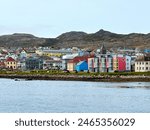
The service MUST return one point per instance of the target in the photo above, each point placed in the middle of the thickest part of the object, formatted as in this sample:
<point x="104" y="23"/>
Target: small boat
<point x="17" y="79"/>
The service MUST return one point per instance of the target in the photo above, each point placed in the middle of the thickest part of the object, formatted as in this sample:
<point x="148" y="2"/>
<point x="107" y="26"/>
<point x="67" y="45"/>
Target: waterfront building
<point x="119" y="63"/>
<point x="128" y="63"/>
<point x="33" y="63"/>
<point x="101" y="63"/>
<point x="143" y="64"/>
<point x="93" y="64"/>
<point x="11" y="63"/>
<point x="82" y="66"/>
<point x="52" y="64"/>
<point x="71" y="65"/>
<point x="66" y="58"/>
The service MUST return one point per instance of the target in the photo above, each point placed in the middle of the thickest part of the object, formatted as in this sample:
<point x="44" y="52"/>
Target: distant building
<point x="2" y="65"/>
<point x="71" y="65"/>
<point x="66" y="58"/>
<point x="49" y="52"/>
<point x="52" y="64"/>
<point x="11" y="63"/>
<point x="147" y="50"/>
<point x="93" y="64"/>
<point x="82" y="66"/>
<point x="143" y="64"/>
<point x="128" y="63"/>
<point x="23" y="54"/>
<point x="119" y="63"/>
<point x="34" y="63"/>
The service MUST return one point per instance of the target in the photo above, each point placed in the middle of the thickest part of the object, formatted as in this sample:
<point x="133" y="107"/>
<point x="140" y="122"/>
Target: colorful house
<point x="100" y="63"/>
<point x="11" y="63"/>
<point x="82" y="66"/>
<point x="93" y="64"/>
<point x="71" y="65"/>
<point x="119" y="63"/>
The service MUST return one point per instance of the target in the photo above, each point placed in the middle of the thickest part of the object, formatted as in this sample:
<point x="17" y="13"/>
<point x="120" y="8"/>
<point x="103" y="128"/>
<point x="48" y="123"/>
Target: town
<point x="75" y="59"/>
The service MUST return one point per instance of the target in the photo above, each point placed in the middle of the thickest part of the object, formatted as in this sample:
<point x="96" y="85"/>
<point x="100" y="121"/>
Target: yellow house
<point x="115" y="63"/>
<point x="11" y="63"/>
<point x="71" y="66"/>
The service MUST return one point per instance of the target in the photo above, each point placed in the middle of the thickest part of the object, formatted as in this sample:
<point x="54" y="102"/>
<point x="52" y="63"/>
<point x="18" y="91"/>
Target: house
<point x="71" y="65"/>
<point x="82" y="66"/>
<point x="11" y="63"/>
<point x="34" y="63"/>
<point x="52" y="64"/>
<point x="23" y="54"/>
<point x="2" y="65"/>
<point x="143" y="64"/>
<point x="93" y="64"/>
<point x="119" y="63"/>
<point x="100" y="63"/>
<point x="128" y="63"/>
<point x="21" y="64"/>
<point x="49" y="52"/>
<point x="66" y="58"/>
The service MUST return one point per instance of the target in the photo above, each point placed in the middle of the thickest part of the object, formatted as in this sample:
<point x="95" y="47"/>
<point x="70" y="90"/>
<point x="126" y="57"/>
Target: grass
<point x="59" y="72"/>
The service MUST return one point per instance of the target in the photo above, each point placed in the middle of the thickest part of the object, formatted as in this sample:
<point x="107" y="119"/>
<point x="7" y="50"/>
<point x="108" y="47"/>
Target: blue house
<point x="82" y="66"/>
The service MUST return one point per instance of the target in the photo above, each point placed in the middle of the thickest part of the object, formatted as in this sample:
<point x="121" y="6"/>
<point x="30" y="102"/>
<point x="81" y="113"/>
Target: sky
<point x="51" y="18"/>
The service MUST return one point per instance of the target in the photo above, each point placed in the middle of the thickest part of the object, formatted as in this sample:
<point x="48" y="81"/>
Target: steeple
<point x="103" y="49"/>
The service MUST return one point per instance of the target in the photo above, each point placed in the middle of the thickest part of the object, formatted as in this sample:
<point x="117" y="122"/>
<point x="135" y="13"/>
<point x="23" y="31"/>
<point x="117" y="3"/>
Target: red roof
<point x="10" y="59"/>
<point x="80" y="58"/>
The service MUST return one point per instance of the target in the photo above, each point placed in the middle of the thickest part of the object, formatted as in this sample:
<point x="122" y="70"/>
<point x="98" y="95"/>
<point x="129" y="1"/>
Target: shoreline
<point x="79" y="78"/>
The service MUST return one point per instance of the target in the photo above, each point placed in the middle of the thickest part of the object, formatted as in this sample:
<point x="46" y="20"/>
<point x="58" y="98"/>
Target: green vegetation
<point x="59" y="72"/>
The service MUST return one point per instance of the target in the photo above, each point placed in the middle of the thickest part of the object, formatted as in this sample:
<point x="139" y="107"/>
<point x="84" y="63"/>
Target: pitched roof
<point x="81" y="62"/>
<point x="79" y="58"/>
<point x="10" y="59"/>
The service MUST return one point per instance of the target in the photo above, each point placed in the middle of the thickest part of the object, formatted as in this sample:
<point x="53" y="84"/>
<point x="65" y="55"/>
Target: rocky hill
<point x="20" y="39"/>
<point x="80" y="39"/>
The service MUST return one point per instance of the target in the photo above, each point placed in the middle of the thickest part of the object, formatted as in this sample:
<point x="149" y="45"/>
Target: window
<point x="142" y="68"/>
<point x="146" y="68"/>
<point x="143" y="63"/>
<point x="146" y="63"/>
<point x="137" y="68"/>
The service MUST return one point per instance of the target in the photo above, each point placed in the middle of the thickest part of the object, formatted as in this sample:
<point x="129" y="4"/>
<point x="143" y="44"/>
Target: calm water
<point x="73" y="96"/>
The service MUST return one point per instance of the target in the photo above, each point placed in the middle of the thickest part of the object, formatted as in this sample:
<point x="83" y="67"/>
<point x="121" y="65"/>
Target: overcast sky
<point x="50" y="18"/>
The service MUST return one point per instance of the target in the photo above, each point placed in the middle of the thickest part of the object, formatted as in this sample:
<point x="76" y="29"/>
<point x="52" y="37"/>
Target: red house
<point x="119" y="63"/>
<point x="2" y="65"/>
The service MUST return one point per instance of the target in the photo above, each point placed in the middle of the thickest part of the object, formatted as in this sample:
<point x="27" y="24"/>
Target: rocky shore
<point x="80" y="78"/>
